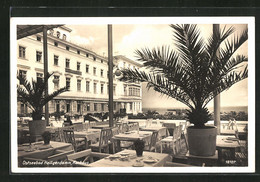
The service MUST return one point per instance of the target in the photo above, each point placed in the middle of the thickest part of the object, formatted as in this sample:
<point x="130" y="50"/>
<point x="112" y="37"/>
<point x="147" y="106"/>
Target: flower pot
<point x="46" y="141"/>
<point x="37" y="127"/>
<point x="202" y="141"/>
<point x="139" y="152"/>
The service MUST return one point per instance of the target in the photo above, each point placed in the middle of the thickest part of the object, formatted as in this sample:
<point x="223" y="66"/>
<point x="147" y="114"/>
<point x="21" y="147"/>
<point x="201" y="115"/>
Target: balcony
<point x="73" y="71"/>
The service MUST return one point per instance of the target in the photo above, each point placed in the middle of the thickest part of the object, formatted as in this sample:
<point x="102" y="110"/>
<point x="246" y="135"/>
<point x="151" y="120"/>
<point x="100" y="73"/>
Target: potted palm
<point x="33" y="94"/>
<point x="194" y="73"/>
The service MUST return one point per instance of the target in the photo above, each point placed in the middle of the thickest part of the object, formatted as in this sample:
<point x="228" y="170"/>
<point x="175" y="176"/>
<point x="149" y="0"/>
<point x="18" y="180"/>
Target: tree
<point x="193" y="73"/>
<point x="33" y="94"/>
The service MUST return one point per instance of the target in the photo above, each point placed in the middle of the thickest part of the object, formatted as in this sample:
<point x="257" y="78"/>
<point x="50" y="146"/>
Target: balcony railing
<point x="73" y="71"/>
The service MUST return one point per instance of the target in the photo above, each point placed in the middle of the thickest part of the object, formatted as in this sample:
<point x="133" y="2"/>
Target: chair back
<point x="55" y="136"/>
<point x="175" y="132"/>
<point x="135" y="126"/>
<point x="153" y="140"/>
<point x="125" y="127"/>
<point x="78" y="127"/>
<point x="171" y="127"/>
<point x="105" y="136"/>
<point x="119" y="126"/>
<point x="115" y="131"/>
<point x="131" y="127"/>
<point x="180" y="131"/>
<point x="69" y="137"/>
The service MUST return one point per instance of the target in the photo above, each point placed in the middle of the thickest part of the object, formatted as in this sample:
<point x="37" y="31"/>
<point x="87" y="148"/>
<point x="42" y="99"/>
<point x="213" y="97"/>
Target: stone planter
<point x="202" y="141"/>
<point x="37" y="127"/>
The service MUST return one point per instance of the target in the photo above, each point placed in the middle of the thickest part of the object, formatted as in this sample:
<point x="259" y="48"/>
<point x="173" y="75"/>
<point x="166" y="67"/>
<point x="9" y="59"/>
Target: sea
<point x="223" y="109"/>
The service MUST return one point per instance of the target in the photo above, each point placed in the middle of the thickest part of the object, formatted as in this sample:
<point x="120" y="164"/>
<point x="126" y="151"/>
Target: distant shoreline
<point x="222" y="109"/>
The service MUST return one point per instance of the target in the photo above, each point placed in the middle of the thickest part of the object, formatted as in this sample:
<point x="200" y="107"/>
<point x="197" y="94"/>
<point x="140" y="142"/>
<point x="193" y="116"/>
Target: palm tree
<point x="196" y="71"/>
<point x="33" y="94"/>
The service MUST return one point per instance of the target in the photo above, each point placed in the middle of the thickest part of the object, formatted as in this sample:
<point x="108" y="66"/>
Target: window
<point x="64" y="37"/>
<point x="102" y="88"/>
<point x="102" y="107"/>
<point x="124" y="65"/>
<point x="94" y="71"/>
<point x="114" y="90"/>
<point x="39" y="76"/>
<point x="87" y="86"/>
<point x="79" y="85"/>
<point x="114" y="105"/>
<point x="58" y="34"/>
<point x="56" y="44"/>
<point x="56" y="82"/>
<point x="101" y="61"/>
<point x="68" y="83"/>
<point x="107" y="74"/>
<point x="94" y="58"/>
<point x="68" y="107"/>
<point x="88" y="106"/>
<point x="131" y="106"/>
<point x="78" y="51"/>
<point x="38" y="56"/>
<point x="125" y="90"/>
<point x="57" y="106"/>
<point x="67" y="48"/>
<point x="23" y="108"/>
<point x="87" y="55"/>
<point x="21" y="52"/>
<point x="95" y="88"/>
<point x="78" y="107"/>
<point x="95" y="106"/>
<point x="51" y="31"/>
<point x="38" y="38"/>
<point x="87" y="68"/>
<point x="102" y="73"/>
<point x="67" y="63"/>
<point x="56" y="60"/>
<point x="78" y="66"/>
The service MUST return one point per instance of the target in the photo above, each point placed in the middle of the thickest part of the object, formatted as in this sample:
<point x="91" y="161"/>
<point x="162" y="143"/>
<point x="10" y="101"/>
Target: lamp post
<point x="217" y="98"/>
<point x="45" y="58"/>
<point x="110" y="75"/>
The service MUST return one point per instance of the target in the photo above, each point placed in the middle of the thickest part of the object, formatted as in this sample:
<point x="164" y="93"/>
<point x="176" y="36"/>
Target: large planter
<point x="202" y="141"/>
<point x="37" y="127"/>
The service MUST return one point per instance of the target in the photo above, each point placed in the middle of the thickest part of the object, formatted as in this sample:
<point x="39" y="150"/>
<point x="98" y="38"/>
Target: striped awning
<point x="27" y="30"/>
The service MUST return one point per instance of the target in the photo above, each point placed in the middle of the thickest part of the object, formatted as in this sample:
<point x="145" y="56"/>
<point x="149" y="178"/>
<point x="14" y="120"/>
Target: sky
<point x="128" y="38"/>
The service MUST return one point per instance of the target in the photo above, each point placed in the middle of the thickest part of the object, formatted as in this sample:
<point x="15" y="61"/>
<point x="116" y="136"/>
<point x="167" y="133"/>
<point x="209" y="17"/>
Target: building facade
<point x="82" y="70"/>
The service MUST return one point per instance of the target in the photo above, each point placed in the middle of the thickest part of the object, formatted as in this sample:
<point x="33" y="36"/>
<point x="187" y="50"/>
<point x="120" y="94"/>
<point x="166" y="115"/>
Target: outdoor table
<point x="128" y="158"/>
<point x="227" y="132"/>
<point x="101" y="126"/>
<point x="162" y="131"/>
<point x="229" y="142"/>
<point x="132" y="136"/>
<point x="37" y="152"/>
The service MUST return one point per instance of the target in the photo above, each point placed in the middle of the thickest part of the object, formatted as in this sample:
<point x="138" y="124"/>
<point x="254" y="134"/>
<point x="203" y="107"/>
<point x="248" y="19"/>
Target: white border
<point x="137" y="20"/>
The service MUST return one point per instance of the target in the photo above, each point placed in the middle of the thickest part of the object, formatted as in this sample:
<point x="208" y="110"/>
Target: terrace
<point x="168" y="149"/>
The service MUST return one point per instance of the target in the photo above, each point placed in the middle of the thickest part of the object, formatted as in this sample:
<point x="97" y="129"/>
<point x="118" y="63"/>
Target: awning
<point x="27" y="30"/>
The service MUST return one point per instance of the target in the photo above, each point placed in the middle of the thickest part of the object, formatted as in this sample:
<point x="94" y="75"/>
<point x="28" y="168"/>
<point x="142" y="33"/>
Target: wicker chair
<point x="78" y="143"/>
<point x="103" y="144"/>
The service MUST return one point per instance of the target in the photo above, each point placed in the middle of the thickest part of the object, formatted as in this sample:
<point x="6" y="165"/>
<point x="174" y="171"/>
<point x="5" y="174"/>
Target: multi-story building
<point x="82" y="70"/>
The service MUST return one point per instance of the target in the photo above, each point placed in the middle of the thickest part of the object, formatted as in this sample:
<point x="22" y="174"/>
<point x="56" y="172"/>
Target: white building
<point x="84" y="71"/>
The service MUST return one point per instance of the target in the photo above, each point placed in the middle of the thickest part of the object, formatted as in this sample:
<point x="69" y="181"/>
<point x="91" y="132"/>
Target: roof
<point x="27" y="30"/>
<point x="129" y="60"/>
